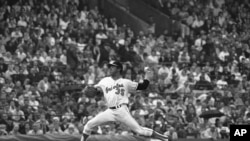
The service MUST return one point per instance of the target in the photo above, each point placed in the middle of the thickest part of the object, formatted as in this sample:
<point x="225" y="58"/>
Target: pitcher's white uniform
<point x="116" y="91"/>
<point x="116" y="96"/>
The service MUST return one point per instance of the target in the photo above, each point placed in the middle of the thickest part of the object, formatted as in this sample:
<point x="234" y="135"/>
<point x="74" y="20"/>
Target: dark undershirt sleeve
<point x="143" y="85"/>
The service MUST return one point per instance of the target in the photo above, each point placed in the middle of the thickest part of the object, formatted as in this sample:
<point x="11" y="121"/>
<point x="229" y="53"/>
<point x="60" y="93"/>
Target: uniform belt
<point x="118" y="106"/>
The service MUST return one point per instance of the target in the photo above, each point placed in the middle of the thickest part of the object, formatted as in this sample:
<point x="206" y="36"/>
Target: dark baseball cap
<point x="116" y="64"/>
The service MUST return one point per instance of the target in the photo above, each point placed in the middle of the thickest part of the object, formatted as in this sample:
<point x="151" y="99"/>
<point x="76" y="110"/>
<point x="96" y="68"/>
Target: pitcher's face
<point x="113" y="70"/>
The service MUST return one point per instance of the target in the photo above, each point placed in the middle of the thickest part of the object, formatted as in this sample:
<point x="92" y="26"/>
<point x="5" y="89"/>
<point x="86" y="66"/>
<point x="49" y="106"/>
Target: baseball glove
<point x="90" y="91"/>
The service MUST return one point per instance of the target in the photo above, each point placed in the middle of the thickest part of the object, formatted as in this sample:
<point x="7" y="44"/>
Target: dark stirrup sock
<point x="159" y="136"/>
<point x="85" y="136"/>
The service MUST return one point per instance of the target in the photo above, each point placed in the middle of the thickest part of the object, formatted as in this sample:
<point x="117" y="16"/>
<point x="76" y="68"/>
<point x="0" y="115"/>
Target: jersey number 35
<point x="119" y="91"/>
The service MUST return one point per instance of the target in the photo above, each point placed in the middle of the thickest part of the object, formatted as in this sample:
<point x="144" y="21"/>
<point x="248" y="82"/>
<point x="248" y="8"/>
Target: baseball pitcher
<point x="115" y="90"/>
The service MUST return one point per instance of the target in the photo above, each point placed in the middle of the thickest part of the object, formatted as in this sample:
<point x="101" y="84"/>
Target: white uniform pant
<point x="121" y="115"/>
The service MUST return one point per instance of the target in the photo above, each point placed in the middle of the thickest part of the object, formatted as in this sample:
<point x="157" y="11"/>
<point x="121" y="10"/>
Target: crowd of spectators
<point x="50" y="50"/>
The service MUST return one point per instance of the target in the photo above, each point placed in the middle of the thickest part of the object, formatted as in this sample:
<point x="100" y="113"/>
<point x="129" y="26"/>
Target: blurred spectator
<point x="17" y="114"/>
<point x="33" y="103"/>
<point x="56" y="126"/>
<point x="43" y="85"/>
<point x="36" y="130"/>
<point x="210" y="133"/>
<point x="71" y="130"/>
<point x="7" y="124"/>
<point x="3" y="131"/>
<point x="43" y="123"/>
<point x="15" y="130"/>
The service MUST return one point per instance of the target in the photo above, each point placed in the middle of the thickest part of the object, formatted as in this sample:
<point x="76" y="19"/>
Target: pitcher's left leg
<point x="101" y="118"/>
<point x="126" y="118"/>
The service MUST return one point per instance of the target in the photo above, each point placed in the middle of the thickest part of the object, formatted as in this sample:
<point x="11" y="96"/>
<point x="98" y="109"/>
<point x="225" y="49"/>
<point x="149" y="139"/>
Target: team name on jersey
<point x="118" y="87"/>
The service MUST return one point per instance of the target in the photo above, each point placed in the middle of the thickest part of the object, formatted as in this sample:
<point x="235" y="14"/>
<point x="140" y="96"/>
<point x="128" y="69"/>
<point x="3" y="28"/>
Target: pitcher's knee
<point x="87" y="128"/>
